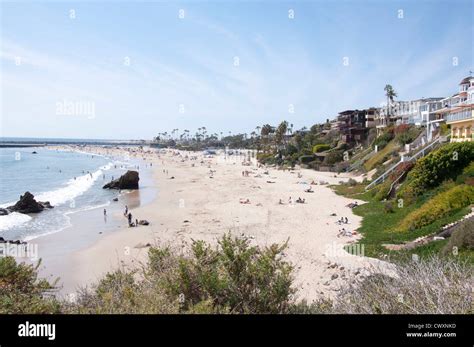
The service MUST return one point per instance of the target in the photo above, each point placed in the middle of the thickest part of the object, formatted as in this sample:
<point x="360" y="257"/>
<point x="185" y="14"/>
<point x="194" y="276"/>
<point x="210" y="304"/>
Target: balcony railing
<point x="463" y="115"/>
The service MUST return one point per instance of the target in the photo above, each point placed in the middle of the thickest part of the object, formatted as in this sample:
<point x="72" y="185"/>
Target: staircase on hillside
<point x="419" y="154"/>
<point x="358" y="163"/>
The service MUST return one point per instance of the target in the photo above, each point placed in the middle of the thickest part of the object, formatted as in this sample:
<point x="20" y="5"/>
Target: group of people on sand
<point x="344" y="232"/>
<point x="129" y="217"/>
<point x="245" y="173"/>
<point x="290" y="201"/>
<point x="343" y="220"/>
<point x="353" y="204"/>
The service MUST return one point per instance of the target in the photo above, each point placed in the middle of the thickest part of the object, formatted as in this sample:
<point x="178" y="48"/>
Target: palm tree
<point x="390" y="94"/>
<point x="265" y="132"/>
<point x="281" y="132"/>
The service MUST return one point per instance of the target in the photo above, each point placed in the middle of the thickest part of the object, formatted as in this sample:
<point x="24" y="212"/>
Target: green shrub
<point x="441" y="205"/>
<point x="388" y="207"/>
<point x="314" y="164"/>
<point x="467" y="175"/>
<point x="22" y="292"/>
<point x="233" y="277"/>
<point x="305" y="159"/>
<point x="445" y="162"/>
<point x="320" y="148"/>
<point x="266" y="158"/>
<point x="333" y="157"/>
<point x="383" y="140"/>
<point x="444" y="129"/>
<point x="405" y="134"/>
<point x="462" y="237"/>
<point x="352" y="182"/>
<point x="383" y="190"/>
<point x="291" y="149"/>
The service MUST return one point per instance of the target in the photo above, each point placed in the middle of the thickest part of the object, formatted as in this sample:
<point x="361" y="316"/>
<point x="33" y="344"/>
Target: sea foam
<point x="72" y="189"/>
<point x="14" y="219"/>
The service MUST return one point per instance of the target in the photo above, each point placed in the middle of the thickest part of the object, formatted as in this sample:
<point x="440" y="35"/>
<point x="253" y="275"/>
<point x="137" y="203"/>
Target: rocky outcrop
<point x="28" y="204"/>
<point x="3" y="211"/>
<point x="14" y="242"/>
<point x="127" y="181"/>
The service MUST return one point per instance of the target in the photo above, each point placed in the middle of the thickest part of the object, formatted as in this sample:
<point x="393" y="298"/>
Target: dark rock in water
<point x="143" y="222"/>
<point x="34" y="152"/>
<point x="3" y="212"/>
<point x="13" y="242"/>
<point x="127" y="181"/>
<point x="28" y="204"/>
<point x="46" y="204"/>
<point x="115" y="199"/>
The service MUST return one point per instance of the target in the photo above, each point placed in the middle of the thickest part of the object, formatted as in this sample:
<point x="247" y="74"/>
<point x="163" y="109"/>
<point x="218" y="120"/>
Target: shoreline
<point x="211" y="206"/>
<point x="86" y="226"/>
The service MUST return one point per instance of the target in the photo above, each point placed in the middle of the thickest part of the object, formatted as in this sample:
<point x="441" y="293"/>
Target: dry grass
<point x="431" y="286"/>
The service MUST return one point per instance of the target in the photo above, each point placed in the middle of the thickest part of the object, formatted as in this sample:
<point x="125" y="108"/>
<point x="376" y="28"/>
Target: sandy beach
<point x="199" y="197"/>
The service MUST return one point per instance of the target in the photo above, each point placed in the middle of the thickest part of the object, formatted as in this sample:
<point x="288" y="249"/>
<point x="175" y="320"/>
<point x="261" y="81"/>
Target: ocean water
<point x="72" y="182"/>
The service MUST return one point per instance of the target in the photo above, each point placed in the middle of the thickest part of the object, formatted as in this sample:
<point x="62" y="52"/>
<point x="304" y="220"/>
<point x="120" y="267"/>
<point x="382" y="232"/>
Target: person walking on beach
<point x="130" y="219"/>
<point x="105" y="212"/>
<point x="126" y="210"/>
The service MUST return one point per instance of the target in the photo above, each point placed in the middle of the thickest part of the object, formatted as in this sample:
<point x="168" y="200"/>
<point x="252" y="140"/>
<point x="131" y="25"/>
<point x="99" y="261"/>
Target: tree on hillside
<point x="390" y="94"/>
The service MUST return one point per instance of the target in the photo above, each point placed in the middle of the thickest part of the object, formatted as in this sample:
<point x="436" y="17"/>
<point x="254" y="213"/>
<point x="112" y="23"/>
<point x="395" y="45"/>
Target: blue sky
<point x="182" y="72"/>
